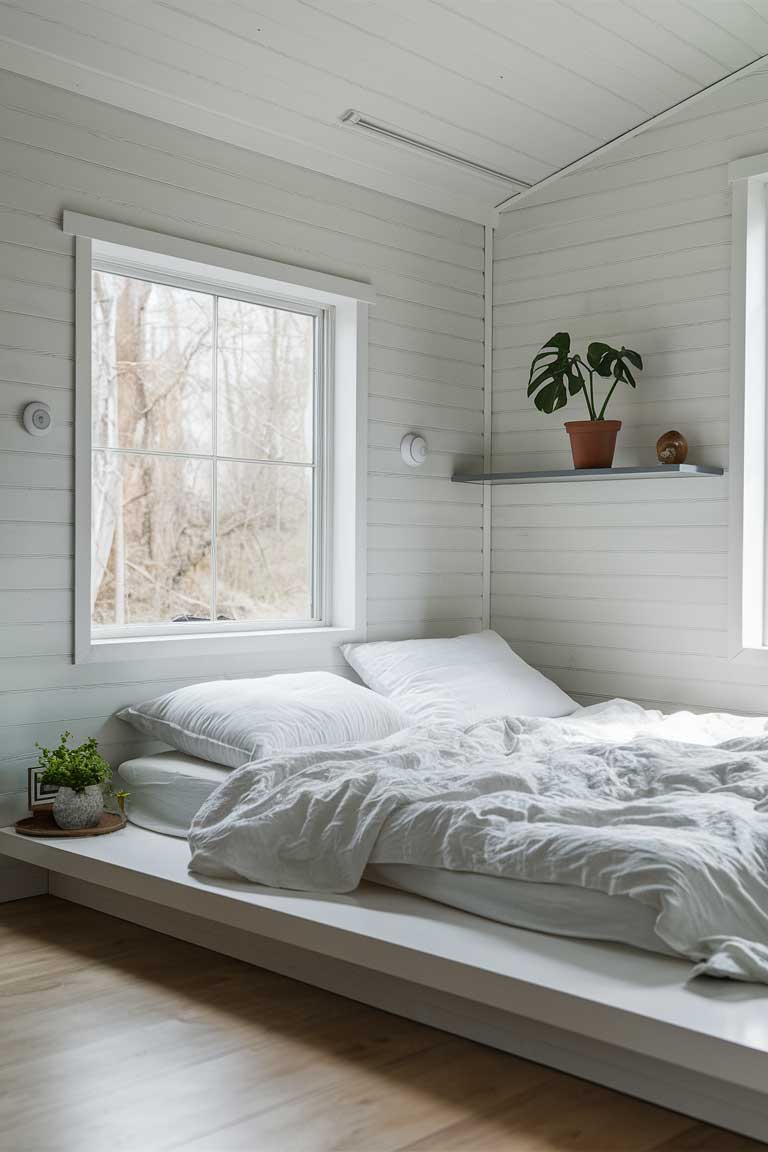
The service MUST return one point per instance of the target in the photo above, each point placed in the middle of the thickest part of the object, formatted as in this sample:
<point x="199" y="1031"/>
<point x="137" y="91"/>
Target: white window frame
<point x="748" y="539"/>
<point x="342" y="421"/>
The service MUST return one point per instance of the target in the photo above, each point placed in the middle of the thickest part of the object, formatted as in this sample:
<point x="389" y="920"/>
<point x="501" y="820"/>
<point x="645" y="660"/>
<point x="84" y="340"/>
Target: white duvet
<point x="669" y="811"/>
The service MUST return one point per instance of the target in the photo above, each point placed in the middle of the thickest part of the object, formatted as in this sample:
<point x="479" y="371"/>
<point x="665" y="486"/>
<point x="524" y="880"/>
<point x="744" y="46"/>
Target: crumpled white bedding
<point x="669" y="811"/>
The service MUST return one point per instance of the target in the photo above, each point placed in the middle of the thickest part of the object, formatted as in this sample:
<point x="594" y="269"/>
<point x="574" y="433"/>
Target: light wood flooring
<point x="114" y="1038"/>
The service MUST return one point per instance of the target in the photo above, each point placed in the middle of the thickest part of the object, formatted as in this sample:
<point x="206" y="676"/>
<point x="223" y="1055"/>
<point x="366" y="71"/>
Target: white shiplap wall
<point x="59" y="150"/>
<point x="620" y="588"/>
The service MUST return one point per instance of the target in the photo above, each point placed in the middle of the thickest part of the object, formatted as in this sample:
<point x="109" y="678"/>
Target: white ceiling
<point x="520" y="86"/>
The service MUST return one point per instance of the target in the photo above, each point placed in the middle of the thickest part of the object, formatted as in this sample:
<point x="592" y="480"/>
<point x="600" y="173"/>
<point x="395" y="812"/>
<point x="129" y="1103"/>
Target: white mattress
<point x="167" y="789"/>
<point x="558" y="909"/>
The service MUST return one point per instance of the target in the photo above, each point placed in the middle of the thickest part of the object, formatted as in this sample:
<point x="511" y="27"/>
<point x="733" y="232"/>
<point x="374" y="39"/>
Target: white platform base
<point x="609" y="1014"/>
<point x="18" y="880"/>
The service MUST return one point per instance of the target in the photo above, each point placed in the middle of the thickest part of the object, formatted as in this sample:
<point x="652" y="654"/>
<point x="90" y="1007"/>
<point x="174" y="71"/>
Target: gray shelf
<point x="565" y="475"/>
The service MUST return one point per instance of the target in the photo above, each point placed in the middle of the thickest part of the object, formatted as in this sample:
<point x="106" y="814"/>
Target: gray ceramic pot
<point x="78" y="809"/>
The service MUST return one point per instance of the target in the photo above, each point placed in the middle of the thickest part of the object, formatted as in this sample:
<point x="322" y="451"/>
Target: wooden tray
<point x="41" y="823"/>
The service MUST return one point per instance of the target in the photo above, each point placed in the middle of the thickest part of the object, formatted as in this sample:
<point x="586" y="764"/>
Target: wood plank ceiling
<point x="519" y="86"/>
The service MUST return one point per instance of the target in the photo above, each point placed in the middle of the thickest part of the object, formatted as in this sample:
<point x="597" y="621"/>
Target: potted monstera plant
<point x="557" y="374"/>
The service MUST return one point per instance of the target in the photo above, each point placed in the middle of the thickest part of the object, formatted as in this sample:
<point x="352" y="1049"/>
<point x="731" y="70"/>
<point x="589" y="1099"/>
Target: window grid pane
<point x="254" y="555"/>
<point x="143" y="577"/>
<point x="264" y="555"/>
<point x="265" y="371"/>
<point x="151" y="353"/>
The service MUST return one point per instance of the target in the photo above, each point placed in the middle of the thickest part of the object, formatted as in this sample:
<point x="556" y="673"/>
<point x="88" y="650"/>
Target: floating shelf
<point x="564" y="475"/>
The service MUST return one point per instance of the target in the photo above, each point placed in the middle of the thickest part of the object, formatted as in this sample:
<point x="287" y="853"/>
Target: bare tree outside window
<point x="204" y="465"/>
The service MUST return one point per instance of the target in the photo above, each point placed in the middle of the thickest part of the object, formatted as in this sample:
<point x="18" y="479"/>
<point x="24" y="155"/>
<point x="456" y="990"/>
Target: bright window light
<point x="207" y="456"/>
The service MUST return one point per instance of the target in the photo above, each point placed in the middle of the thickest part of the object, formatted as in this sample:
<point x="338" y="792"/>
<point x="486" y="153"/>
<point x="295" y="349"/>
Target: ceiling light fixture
<point x="357" y="120"/>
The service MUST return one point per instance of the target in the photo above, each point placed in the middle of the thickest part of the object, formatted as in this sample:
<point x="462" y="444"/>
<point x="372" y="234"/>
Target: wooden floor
<point x="113" y="1037"/>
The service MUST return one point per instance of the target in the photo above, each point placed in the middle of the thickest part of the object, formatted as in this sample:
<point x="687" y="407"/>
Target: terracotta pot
<point x="593" y="442"/>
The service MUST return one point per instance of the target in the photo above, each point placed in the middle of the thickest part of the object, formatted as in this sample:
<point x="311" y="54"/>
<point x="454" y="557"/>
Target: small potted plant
<point x="556" y="374"/>
<point x="80" y="775"/>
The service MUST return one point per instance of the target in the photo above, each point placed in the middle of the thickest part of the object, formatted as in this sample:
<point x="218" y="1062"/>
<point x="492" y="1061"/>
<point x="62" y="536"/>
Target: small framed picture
<point x="37" y="792"/>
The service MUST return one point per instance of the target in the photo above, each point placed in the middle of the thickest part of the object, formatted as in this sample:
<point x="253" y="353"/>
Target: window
<point x="748" y="544"/>
<point x="207" y="456"/>
<point x="218" y="501"/>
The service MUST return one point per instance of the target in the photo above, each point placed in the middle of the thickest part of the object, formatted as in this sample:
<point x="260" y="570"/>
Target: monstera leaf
<point x="554" y="374"/>
<point x="607" y="361"/>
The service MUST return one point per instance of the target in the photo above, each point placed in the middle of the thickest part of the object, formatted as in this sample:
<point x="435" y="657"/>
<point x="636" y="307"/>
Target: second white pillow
<point x="461" y="679"/>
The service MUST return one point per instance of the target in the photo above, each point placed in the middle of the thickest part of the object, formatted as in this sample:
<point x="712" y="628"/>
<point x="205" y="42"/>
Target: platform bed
<point x="611" y="1014"/>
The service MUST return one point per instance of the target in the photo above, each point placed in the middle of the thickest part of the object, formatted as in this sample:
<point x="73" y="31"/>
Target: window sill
<point x="309" y="640"/>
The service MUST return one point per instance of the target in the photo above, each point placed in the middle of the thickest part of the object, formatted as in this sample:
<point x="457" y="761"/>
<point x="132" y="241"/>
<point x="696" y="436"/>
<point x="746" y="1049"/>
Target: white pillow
<point x="464" y="679"/>
<point x="232" y="722"/>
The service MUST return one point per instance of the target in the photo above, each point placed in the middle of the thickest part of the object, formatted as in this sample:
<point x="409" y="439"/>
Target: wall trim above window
<point x="131" y="251"/>
<point x="748" y="587"/>
<point x="144" y="240"/>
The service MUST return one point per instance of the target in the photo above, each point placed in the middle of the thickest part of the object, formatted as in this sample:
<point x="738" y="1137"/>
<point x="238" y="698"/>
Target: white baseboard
<point x="703" y="1097"/>
<point x="19" y="880"/>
